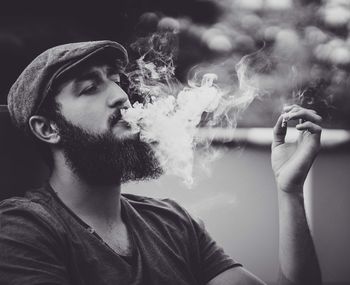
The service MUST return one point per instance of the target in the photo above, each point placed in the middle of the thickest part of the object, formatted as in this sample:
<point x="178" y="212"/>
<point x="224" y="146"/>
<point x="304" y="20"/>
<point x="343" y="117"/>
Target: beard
<point x="103" y="159"/>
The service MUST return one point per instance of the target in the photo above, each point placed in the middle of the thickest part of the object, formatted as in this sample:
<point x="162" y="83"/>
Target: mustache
<point x="114" y="118"/>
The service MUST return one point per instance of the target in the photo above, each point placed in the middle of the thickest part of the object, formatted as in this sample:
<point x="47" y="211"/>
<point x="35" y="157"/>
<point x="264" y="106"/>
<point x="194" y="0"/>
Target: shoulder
<point x="21" y="204"/>
<point x="166" y="204"/>
<point x="164" y="207"/>
<point x="27" y="214"/>
<point x="18" y="204"/>
<point x="156" y="202"/>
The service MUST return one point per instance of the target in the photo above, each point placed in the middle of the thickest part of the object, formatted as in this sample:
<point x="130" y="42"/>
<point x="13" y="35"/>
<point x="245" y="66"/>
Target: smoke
<point x="169" y="113"/>
<point x="313" y="94"/>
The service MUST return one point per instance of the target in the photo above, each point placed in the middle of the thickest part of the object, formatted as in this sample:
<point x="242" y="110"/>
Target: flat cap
<point x="32" y="87"/>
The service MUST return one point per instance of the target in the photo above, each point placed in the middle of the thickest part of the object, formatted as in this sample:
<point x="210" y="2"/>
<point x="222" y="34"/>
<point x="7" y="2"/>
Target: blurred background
<point x="304" y="43"/>
<point x="303" y="49"/>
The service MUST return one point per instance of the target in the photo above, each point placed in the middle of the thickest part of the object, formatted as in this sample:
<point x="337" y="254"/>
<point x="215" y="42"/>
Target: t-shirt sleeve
<point x="212" y="258"/>
<point x="30" y="252"/>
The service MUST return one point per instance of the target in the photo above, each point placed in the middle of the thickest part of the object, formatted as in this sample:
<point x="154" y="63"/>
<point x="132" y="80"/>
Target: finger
<point x="279" y="132"/>
<point x="309" y="126"/>
<point x="288" y="108"/>
<point x="295" y="108"/>
<point x="304" y="114"/>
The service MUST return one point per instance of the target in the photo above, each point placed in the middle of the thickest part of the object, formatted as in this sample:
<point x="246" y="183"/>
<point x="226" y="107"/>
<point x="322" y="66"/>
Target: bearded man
<point x="79" y="229"/>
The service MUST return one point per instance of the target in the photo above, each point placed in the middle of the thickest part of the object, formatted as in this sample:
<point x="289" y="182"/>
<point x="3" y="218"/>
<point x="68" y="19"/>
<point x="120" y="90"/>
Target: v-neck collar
<point x="124" y="214"/>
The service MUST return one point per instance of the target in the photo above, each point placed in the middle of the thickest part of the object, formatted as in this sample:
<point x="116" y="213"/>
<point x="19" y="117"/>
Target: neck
<point x="95" y="204"/>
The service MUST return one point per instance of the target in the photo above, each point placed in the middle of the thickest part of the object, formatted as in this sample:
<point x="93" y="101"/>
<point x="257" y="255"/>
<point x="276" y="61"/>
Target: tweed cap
<point x="31" y="88"/>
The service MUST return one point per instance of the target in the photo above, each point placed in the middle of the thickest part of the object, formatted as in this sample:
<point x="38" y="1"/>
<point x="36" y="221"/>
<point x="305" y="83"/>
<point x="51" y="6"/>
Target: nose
<point x="117" y="98"/>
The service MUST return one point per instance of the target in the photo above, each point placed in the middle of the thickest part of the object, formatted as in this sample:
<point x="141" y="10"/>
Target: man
<point x="80" y="229"/>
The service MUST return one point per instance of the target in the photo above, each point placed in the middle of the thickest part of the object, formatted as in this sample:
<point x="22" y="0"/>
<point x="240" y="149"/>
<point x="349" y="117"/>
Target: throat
<point x="95" y="204"/>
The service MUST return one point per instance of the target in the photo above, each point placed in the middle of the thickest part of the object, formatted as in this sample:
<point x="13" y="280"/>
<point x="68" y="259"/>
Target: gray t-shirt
<point x="43" y="242"/>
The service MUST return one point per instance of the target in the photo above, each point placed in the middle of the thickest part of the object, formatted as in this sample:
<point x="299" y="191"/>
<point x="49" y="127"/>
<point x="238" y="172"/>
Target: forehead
<point x="93" y="63"/>
<point x="94" y="71"/>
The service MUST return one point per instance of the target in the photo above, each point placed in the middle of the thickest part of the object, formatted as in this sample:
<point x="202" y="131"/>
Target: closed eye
<point x="91" y="88"/>
<point x="89" y="82"/>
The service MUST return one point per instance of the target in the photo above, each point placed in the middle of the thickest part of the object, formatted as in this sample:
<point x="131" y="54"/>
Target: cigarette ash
<point x="169" y="113"/>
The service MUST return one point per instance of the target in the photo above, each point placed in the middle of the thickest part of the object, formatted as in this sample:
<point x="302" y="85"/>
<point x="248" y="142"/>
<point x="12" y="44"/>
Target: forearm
<point x="297" y="255"/>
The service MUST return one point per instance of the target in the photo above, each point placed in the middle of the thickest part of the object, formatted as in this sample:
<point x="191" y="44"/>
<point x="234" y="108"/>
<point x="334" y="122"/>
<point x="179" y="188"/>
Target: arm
<point x="291" y="163"/>
<point x="236" y="275"/>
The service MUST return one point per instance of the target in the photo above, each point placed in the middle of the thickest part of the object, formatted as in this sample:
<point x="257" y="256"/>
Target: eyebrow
<point x="89" y="75"/>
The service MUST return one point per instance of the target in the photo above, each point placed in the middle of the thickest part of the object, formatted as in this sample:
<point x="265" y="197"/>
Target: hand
<point x="291" y="161"/>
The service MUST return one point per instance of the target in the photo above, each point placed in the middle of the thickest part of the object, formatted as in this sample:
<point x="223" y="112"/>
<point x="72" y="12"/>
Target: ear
<point x="44" y="129"/>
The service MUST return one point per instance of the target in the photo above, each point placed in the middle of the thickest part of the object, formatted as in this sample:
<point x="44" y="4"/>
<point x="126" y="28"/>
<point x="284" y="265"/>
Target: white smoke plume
<point x="170" y="114"/>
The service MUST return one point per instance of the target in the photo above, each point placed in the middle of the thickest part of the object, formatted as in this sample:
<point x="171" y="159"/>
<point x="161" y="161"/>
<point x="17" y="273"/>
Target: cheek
<point x="87" y="115"/>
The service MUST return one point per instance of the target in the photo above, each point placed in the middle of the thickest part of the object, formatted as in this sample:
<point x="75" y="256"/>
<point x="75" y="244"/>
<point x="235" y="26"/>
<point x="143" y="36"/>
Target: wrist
<point x="291" y="194"/>
<point x="292" y="203"/>
<point x="289" y="185"/>
<point x="291" y="189"/>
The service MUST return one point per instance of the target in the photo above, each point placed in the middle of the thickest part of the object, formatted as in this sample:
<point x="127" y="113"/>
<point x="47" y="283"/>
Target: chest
<point x="117" y="238"/>
<point x="141" y="253"/>
<point x="141" y="261"/>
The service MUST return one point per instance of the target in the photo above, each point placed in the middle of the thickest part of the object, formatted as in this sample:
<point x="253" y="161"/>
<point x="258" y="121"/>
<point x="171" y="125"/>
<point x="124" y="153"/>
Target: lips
<point x="115" y="118"/>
